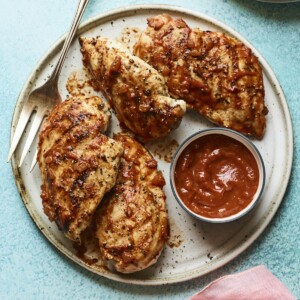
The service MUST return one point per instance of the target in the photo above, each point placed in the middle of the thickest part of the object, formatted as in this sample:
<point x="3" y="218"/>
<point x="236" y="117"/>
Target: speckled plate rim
<point x="227" y="256"/>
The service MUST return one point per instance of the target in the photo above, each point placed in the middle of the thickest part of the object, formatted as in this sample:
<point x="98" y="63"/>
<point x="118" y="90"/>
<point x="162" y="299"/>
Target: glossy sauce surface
<point x="216" y="176"/>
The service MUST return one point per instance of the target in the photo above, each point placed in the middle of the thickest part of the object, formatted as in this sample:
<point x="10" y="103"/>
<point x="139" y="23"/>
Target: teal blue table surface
<point x="30" y="267"/>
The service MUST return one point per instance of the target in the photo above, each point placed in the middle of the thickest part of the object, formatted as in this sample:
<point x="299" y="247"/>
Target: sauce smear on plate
<point x="216" y="176"/>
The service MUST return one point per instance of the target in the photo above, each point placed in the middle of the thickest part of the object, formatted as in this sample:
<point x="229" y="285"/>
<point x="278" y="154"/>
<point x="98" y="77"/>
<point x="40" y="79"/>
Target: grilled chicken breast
<point x="78" y="163"/>
<point x="216" y="75"/>
<point x="132" y="222"/>
<point x="135" y="90"/>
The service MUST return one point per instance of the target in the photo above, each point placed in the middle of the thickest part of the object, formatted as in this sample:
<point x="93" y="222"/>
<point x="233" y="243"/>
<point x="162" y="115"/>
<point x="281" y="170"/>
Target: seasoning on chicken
<point x="216" y="75"/>
<point x="135" y="90"/>
<point x="132" y="221"/>
<point x="78" y="163"/>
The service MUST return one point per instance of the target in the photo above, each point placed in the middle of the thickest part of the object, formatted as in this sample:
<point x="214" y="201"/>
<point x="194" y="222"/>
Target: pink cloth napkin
<point x="257" y="283"/>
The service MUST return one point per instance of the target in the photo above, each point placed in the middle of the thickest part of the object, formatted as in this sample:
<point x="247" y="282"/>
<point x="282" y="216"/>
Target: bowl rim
<point x="249" y="145"/>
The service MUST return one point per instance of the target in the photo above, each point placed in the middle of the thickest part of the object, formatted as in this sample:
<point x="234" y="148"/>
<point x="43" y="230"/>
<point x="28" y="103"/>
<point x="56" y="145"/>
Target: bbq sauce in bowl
<point x="216" y="176"/>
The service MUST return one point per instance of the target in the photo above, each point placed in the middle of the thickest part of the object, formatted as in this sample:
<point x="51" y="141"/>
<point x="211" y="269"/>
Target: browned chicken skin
<point x="135" y="90"/>
<point x="215" y="74"/>
<point x="132" y="221"/>
<point x="77" y="162"/>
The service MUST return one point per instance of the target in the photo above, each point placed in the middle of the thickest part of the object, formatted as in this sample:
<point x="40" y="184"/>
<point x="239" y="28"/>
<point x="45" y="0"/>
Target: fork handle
<point x="80" y="10"/>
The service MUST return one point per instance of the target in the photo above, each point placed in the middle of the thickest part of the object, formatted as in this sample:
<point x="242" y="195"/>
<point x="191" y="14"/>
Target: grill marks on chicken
<point x="135" y="90"/>
<point x="216" y="75"/>
<point x="132" y="221"/>
<point x="78" y="163"/>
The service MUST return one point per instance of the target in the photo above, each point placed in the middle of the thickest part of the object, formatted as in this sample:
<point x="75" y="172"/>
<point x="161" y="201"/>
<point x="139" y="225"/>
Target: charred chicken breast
<point x="132" y="222"/>
<point x="135" y="90"/>
<point x="216" y="75"/>
<point x="78" y="163"/>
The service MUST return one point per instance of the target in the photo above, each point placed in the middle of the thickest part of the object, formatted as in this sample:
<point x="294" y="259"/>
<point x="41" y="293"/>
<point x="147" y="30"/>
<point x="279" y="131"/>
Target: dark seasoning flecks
<point x="79" y="83"/>
<point x="183" y="246"/>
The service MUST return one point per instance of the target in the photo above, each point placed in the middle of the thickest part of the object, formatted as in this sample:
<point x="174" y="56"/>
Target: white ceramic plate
<point x="201" y="247"/>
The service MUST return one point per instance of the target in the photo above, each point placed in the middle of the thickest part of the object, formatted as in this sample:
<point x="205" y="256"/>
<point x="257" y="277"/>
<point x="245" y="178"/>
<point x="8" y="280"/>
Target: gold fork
<point x="44" y="98"/>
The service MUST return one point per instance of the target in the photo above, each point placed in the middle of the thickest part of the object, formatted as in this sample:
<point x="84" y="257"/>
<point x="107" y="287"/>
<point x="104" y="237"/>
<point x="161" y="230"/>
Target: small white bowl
<point x="249" y="145"/>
